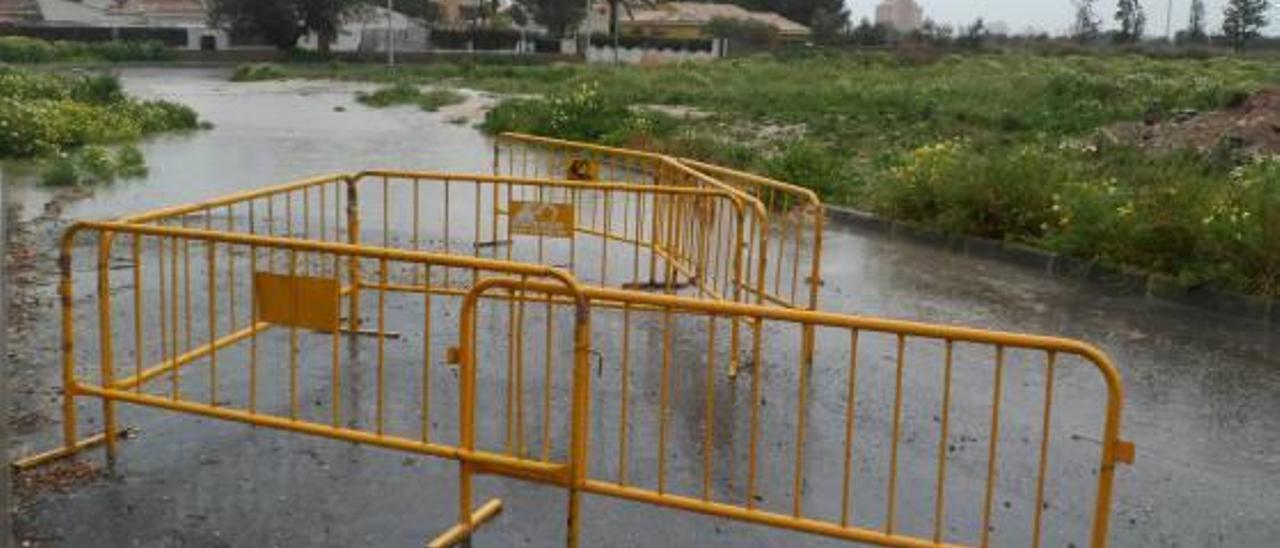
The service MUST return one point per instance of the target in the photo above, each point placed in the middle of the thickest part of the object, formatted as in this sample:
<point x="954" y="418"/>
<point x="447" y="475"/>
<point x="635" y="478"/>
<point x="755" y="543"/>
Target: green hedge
<point x="20" y="49"/>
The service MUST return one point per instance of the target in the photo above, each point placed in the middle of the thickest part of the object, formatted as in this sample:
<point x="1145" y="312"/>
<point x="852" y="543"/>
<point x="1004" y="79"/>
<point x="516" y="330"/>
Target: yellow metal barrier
<point x="784" y="240"/>
<point x="791" y="218"/>
<point x="851" y="427"/>
<point x="853" y="340"/>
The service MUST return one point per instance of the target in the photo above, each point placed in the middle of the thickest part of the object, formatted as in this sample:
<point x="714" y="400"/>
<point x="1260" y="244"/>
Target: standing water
<point x="1203" y="391"/>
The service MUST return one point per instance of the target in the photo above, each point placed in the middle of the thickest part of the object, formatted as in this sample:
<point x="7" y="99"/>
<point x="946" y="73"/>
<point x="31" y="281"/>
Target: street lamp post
<point x="391" y="37"/>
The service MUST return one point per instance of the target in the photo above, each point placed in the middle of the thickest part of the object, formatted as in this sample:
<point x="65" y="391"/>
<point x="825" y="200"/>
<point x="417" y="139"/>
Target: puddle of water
<point x="265" y="133"/>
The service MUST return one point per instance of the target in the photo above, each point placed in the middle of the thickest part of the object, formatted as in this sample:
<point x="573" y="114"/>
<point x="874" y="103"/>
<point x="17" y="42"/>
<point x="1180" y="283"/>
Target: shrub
<point x="583" y="113"/>
<point x="960" y="188"/>
<point x="94" y="165"/>
<point x="257" y="72"/>
<point x="1244" y="225"/>
<point x="101" y="89"/>
<point x="42" y="114"/>
<point x="810" y="164"/>
<point x="62" y="172"/>
<point x="397" y="94"/>
<point x="403" y="94"/>
<point x="20" y="49"/>
<point x="436" y="99"/>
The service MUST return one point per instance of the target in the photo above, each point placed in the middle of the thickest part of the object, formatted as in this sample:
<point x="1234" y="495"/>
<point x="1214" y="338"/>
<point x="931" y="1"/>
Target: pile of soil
<point x="1253" y="126"/>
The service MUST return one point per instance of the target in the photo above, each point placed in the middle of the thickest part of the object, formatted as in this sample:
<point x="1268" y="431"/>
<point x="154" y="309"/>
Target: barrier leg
<point x="468" y="521"/>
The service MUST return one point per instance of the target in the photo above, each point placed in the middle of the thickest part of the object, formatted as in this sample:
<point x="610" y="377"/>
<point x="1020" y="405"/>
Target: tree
<point x="426" y="12"/>
<point x="828" y="21"/>
<point x="1087" y="26"/>
<point x="866" y="34"/>
<point x="283" y="22"/>
<point x="1196" y="26"/>
<point x="1132" y="19"/>
<point x="559" y="16"/>
<point x="1243" y="20"/>
<point x="827" y="18"/>
<point x="973" y="35"/>
<point x="930" y="32"/>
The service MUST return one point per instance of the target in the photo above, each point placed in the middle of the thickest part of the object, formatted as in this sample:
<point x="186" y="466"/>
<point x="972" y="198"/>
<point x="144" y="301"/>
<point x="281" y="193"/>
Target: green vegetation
<point x="1006" y="146"/>
<point x="18" y="49"/>
<point x="582" y="113"/>
<point x="404" y="94"/>
<point x="45" y="114"/>
<point x="95" y="164"/>
<point x="257" y="72"/>
<point x="65" y="120"/>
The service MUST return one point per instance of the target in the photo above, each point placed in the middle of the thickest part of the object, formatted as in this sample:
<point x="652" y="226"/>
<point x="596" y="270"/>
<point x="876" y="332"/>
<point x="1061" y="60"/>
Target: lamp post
<point x="391" y="37"/>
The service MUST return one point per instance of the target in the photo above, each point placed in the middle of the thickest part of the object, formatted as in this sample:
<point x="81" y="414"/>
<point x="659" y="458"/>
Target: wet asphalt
<point x="1201" y="407"/>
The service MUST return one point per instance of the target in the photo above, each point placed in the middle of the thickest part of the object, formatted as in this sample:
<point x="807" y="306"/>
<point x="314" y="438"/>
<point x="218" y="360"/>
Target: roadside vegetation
<point x="257" y="72"/>
<point x="408" y="94"/>
<point x="55" y="118"/>
<point x="22" y="50"/>
<point x="1008" y="146"/>
<point x="94" y="164"/>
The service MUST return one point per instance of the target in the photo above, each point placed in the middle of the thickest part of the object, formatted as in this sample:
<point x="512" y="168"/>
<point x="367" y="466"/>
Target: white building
<point x="901" y="15"/>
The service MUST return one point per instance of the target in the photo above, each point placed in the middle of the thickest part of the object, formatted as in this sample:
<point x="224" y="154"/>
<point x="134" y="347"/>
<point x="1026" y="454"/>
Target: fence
<point x="786" y="227"/>
<point x="850" y="427"/>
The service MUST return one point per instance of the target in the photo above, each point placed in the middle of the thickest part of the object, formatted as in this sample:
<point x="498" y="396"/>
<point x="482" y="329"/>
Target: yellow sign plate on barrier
<point x="542" y="219"/>
<point x="297" y="301"/>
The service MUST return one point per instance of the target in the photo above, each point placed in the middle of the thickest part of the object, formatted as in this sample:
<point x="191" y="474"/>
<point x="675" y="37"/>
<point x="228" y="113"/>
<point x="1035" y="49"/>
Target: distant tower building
<point x="900" y="15"/>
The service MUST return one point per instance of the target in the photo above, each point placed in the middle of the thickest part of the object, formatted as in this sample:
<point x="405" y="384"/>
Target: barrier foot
<point x="492" y="243"/>
<point x="462" y="532"/>
<point x="29" y="462"/>
<point x="659" y="286"/>
<point x="369" y="333"/>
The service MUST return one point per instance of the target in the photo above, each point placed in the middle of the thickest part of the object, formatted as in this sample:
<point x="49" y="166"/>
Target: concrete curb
<point x="1125" y="281"/>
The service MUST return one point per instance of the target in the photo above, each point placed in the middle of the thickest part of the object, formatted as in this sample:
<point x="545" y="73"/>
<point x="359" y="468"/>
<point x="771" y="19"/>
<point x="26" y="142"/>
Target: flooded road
<point x="1203" y="401"/>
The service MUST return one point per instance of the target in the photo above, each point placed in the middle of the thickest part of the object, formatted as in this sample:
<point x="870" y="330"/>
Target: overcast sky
<point x="1054" y="16"/>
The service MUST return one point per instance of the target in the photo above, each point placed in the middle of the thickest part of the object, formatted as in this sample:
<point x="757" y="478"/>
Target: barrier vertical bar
<point x="940" y="494"/>
<point x="105" y="344"/>
<point x="851" y="398"/>
<point x="68" y="345"/>
<point x="1044" y="447"/>
<point x="211" y="269"/>
<point x="993" y="445"/>
<point x="353" y="265"/>
<point x="891" y="500"/>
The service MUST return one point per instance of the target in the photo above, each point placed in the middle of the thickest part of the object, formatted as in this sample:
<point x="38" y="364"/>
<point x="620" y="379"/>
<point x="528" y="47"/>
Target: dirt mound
<point x="1254" y="126"/>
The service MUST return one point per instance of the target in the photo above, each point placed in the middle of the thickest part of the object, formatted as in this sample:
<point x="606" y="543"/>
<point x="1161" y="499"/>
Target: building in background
<point x="14" y="11"/>
<point x="901" y="15"/>
<point x="688" y="21"/>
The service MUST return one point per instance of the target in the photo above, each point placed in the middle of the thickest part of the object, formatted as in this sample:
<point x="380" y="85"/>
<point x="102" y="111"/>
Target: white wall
<point x="636" y="56"/>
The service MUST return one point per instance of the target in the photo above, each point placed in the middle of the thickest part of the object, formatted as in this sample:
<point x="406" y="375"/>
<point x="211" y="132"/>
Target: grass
<point x="402" y="94"/>
<point x="999" y="145"/>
